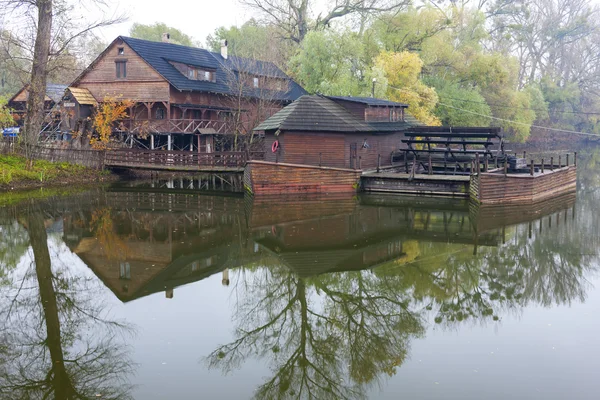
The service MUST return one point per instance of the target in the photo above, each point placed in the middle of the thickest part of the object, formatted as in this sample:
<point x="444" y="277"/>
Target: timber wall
<point x="267" y="178"/>
<point x="495" y="188"/>
<point x="142" y="83"/>
<point x="333" y="149"/>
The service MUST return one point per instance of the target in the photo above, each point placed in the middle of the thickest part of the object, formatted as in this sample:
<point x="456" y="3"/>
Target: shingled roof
<point x="370" y="101"/>
<point x="322" y="114"/>
<point x="159" y="56"/>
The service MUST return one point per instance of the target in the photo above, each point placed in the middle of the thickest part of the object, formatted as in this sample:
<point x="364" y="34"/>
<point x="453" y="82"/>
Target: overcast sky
<point x="196" y="18"/>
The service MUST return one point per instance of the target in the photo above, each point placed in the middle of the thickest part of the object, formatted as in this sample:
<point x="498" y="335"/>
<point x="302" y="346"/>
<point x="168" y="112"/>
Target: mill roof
<point x="322" y="114"/>
<point x="370" y="101"/>
<point x="159" y="56"/>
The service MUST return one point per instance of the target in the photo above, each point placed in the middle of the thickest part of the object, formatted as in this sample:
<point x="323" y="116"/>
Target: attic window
<point x="121" y="51"/>
<point x="255" y="82"/>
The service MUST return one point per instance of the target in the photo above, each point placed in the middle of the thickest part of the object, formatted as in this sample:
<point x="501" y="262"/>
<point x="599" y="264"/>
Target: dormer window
<point x="121" y="51"/>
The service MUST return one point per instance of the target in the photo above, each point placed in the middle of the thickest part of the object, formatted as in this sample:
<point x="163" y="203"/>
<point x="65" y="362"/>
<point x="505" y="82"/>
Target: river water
<point x="139" y="292"/>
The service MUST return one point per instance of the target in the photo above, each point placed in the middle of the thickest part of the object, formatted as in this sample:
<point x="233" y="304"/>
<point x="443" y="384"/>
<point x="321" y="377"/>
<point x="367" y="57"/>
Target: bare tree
<point x="257" y="89"/>
<point x="296" y="17"/>
<point x="44" y="32"/>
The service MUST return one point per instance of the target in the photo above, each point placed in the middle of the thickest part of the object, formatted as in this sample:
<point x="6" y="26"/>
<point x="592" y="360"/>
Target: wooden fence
<point x="176" y="160"/>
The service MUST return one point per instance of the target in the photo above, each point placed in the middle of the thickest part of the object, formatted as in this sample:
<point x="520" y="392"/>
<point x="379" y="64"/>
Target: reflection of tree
<point x="58" y="342"/>
<point x="13" y="245"/>
<point x="318" y="332"/>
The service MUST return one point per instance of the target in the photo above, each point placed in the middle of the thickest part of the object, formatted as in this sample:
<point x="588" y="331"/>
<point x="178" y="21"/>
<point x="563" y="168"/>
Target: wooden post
<point x="378" y="162"/>
<point x="359" y="162"/>
<point x="192" y="142"/>
<point x="477" y="166"/>
<point x="430" y="167"/>
<point x="567" y="160"/>
<point x="542" y="165"/>
<point x="531" y="168"/>
<point x="551" y="163"/>
<point x="575" y="159"/>
<point x="320" y="159"/>
<point x="169" y="142"/>
<point x="559" y="162"/>
<point x="524" y="154"/>
<point x="406" y="161"/>
<point x="505" y="167"/>
<point x="151" y="142"/>
<point x="485" y="164"/>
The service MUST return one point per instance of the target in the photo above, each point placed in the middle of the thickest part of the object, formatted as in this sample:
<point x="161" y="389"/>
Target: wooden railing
<point x="183" y="160"/>
<point x="162" y="126"/>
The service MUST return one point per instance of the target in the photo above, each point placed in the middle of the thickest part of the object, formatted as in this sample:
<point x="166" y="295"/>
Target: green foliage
<point x="333" y="63"/>
<point x="6" y="118"/>
<point x="403" y="72"/>
<point x="12" y="170"/>
<point x="155" y="31"/>
<point x="460" y="106"/>
<point x="252" y="40"/>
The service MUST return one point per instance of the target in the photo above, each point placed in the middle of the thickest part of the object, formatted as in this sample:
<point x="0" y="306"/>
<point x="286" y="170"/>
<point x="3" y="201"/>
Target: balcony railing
<point x="162" y="126"/>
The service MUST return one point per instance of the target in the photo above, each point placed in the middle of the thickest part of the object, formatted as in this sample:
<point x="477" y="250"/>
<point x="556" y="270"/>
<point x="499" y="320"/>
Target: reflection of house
<point x="183" y="96"/>
<point x="368" y="236"/>
<point x="18" y="103"/>
<point x="336" y="131"/>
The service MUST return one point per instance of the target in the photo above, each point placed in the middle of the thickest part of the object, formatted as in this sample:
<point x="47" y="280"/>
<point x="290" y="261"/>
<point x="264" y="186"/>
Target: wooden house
<point x="342" y="132"/>
<point x="18" y="103"/>
<point x="185" y="98"/>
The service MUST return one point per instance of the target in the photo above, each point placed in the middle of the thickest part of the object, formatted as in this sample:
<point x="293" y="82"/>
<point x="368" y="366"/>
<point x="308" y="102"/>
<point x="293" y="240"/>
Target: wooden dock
<point x="418" y="184"/>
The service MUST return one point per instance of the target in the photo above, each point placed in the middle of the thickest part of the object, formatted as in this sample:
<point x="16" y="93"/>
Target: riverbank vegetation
<point x="14" y="175"/>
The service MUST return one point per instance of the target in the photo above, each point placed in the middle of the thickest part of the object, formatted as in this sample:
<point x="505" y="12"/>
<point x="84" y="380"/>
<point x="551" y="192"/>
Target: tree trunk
<point x="39" y="71"/>
<point x="61" y="383"/>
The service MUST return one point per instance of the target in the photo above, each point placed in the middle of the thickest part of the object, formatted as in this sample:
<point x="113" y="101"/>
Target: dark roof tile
<point x="321" y="114"/>
<point x="370" y="101"/>
<point x="159" y="55"/>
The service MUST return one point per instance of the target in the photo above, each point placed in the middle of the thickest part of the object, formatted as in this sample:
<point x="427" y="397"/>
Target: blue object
<point x="11" y="132"/>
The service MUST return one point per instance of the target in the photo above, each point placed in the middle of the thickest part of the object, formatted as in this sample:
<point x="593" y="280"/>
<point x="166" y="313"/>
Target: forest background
<point x="526" y="66"/>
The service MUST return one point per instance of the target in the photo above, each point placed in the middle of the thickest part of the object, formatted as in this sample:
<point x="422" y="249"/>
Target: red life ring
<point x="275" y="146"/>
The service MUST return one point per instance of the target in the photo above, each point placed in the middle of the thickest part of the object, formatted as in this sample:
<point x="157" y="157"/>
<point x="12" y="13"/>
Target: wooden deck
<point x="418" y="184"/>
<point x="185" y="161"/>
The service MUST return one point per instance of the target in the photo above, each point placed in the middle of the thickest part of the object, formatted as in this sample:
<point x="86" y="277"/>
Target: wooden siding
<point x="495" y="188"/>
<point x="433" y="185"/>
<point x="142" y="83"/>
<point x="377" y="144"/>
<point x="334" y="148"/>
<point x="267" y="178"/>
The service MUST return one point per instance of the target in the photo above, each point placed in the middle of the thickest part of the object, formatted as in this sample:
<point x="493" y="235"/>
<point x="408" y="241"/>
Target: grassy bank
<point x="15" y="176"/>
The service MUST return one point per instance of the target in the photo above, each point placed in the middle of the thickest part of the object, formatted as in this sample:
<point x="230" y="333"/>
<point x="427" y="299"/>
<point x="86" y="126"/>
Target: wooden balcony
<point x="165" y="126"/>
<point x="176" y="160"/>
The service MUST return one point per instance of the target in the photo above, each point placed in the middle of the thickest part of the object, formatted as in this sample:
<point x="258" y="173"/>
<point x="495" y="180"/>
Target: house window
<point x="207" y="76"/>
<point x="121" y="69"/>
<point x="125" y="272"/>
<point x="121" y="51"/>
<point x="160" y="113"/>
<point x="255" y="82"/>
<point x="191" y="73"/>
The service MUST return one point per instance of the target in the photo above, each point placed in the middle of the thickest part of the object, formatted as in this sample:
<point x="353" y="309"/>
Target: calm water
<point x="165" y="294"/>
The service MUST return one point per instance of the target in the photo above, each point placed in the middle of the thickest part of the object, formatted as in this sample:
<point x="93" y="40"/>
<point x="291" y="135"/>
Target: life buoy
<point x="275" y="146"/>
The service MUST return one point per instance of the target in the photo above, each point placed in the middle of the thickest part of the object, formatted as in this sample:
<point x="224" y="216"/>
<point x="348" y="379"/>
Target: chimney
<point x="166" y="37"/>
<point x="224" y="48"/>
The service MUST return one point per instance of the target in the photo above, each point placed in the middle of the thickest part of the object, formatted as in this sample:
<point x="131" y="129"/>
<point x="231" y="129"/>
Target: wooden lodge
<point x="324" y="144"/>
<point x="184" y="98"/>
<point x="18" y="102"/>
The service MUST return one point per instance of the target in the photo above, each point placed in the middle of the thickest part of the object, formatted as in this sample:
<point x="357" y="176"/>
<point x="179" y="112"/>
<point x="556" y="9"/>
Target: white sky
<point x="196" y="18"/>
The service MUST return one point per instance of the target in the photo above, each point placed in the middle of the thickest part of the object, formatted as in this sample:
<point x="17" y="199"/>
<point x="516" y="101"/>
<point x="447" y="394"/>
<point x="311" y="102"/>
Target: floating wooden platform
<point x="419" y="184"/>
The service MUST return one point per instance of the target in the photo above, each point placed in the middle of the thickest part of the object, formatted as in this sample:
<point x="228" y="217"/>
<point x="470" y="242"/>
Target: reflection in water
<point x="57" y="342"/>
<point x="328" y="294"/>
